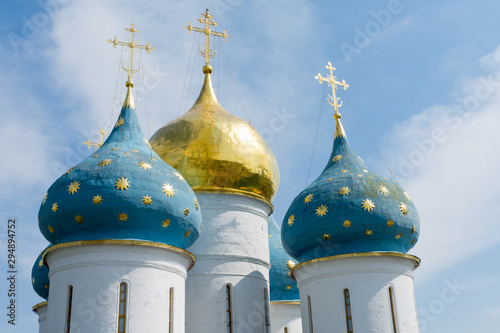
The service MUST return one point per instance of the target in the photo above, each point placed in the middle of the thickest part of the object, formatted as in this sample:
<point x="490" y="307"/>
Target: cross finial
<point x="131" y="46"/>
<point x="207" y="52"/>
<point x="332" y="82"/>
<point x="88" y="143"/>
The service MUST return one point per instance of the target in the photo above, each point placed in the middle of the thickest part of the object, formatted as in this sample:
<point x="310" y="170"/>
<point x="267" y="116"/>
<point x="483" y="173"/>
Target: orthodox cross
<point x="88" y="143"/>
<point x="332" y="82"/>
<point x="131" y="46"/>
<point x="208" y="20"/>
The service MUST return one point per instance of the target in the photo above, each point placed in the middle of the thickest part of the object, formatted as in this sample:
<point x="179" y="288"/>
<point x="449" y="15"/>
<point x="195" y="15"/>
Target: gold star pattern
<point x="290" y="264"/>
<point x="122" y="184"/>
<point x="369" y="232"/>
<point x="413" y="229"/>
<point x="288" y="287"/>
<point x="326" y="236"/>
<point x="69" y="170"/>
<point x="144" y="165"/>
<point x="291" y="218"/>
<point x="122" y="217"/>
<point x="97" y="200"/>
<point x="51" y="229"/>
<point x="344" y="190"/>
<point x="196" y="205"/>
<point x="96" y="156"/>
<point x="321" y="210"/>
<point x="135" y="150"/>
<point x="383" y="189"/>
<point x="390" y="223"/>
<point x="187" y="233"/>
<point x="55" y="207"/>
<point x="178" y="175"/>
<point x="79" y="219"/>
<point x="360" y="175"/>
<point x="40" y="263"/>
<point x="165" y="223"/>
<point x="309" y="198"/>
<point x="407" y="196"/>
<point x="413" y="242"/>
<point x="120" y="122"/>
<point x="403" y="209"/>
<point x="44" y="198"/>
<point x="336" y="158"/>
<point x="168" y="190"/>
<point x="364" y="170"/>
<point x="201" y="225"/>
<point x="147" y="200"/>
<point x="346" y="224"/>
<point x="329" y="179"/>
<point x="46" y="286"/>
<point x="104" y="162"/>
<point x="186" y="211"/>
<point x="368" y="205"/>
<point x="33" y="280"/>
<point x="74" y="187"/>
<point x="344" y="171"/>
<point x="398" y="236"/>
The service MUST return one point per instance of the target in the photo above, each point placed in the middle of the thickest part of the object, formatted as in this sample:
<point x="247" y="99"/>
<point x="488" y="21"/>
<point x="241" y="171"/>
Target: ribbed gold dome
<point x="216" y="151"/>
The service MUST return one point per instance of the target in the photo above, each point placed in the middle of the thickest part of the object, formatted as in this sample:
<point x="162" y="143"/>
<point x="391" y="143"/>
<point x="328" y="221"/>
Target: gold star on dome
<point x="135" y="150"/>
<point x="51" y="229"/>
<point x="196" y="205"/>
<point x="96" y="156"/>
<point x="329" y="179"/>
<point x="368" y="205"/>
<point x="44" y="198"/>
<point x="122" y="217"/>
<point x="336" y="158"/>
<point x="383" y="189"/>
<point x="413" y="229"/>
<point x="344" y="190"/>
<point x="326" y="236"/>
<point x="398" y="236"/>
<point x="33" y="280"/>
<point x="120" y="122"/>
<point x="321" y="210"/>
<point x="403" y="209"/>
<point x="178" y="175"/>
<point x="147" y="200"/>
<point x="291" y="218"/>
<point x="186" y="211"/>
<point x="79" y="219"/>
<point x="104" y="162"/>
<point x="40" y="263"/>
<point x="144" y="165"/>
<point x="360" y="175"/>
<point x="390" y="223"/>
<point x="165" y="223"/>
<point x="168" y="190"/>
<point x="73" y="187"/>
<point x="97" y="200"/>
<point x="187" y="233"/>
<point x="290" y="264"/>
<point x="147" y="142"/>
<point x="364" y="170"/>
<point x="308" y="198"/>
<point x="46" y="286"/>
<point x="369" y="232"/>
<point x="122" y="184"/>
<point x="201" y="225"/>
<point x="344" y="171"/>
<point x="346" y="224"/>
<point x="288" y="287"/>
<point x="413" y="242"/>
<point x="69" y="170"/>
<point x="407" y="196"/>
<point x="55" y="207"/>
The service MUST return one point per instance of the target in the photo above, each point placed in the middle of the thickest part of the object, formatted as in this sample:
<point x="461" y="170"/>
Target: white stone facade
<point x="41" y="310"/>
<point x="285" y="317"/>
<point x="322" y="284"/>
<point x="96" y="272"/>
<point x="232" y="251"/>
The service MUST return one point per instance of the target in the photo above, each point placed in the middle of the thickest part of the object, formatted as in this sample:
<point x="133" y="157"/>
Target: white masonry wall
<point x="368" y="280"/>
<point x="285" y="314"/>
<point x="232" y="249"/>
<point x="41" y="311"/>
<point x="96" y="271"/>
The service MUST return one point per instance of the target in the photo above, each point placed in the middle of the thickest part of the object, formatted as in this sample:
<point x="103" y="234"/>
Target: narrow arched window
<point x="229" y="312"/>
<point x="348" y="315"/>
<point x="171" y="310"/>
<point x="122" y="312"/>
<point x="309" y="310"/>
<point x="68" y="312"/>
<point x="393" y="309"/>
<point x="285" y="330"/>
<point x="267" y="311"/>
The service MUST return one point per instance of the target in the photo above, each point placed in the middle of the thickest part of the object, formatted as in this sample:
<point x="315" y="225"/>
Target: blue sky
<point x="424" y="79"/>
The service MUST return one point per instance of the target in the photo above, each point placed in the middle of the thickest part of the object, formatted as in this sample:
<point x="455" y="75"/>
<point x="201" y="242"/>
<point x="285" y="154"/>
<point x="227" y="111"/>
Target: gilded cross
<point x="208" y="20"/>
<point x="332" y="82"/>
<point x="88" y="143"/>
<point x="131" y="46"/>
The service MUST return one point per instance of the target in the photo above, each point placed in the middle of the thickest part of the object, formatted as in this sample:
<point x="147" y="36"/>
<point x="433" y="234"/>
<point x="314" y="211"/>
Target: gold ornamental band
<point x="355" y="255"/>
<point x="188" y="254"/>
<point x="39" y="305"/>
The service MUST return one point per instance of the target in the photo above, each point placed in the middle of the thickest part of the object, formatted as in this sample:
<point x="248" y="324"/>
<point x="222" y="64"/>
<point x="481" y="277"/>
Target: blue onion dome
<point x="349" y="209"/>
<point x="282" y="287"/>
<point x="122" y="191"/>
<point x="40" y="277"/>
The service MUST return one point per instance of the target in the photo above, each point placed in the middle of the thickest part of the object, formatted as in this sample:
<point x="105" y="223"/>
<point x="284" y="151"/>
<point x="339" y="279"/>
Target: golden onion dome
<point x="216" y="151"/>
